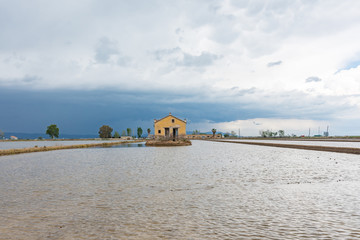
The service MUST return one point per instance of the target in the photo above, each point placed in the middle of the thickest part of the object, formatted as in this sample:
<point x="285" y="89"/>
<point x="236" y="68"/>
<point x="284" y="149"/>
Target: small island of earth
<point x="170" y="143"/>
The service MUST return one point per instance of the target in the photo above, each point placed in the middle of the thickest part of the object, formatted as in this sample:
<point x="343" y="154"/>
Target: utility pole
<point x="239" y="132"/>
<point x="309" y="132"/>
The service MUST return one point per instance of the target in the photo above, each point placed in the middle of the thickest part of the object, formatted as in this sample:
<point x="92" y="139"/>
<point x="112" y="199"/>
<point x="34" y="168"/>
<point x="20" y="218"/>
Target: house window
<point x="159" y="131"/>
<point x="172" y="120"/>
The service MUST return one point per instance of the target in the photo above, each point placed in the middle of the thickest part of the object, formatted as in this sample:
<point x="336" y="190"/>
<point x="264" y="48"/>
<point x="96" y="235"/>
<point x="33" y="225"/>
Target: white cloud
<point x="105" y="50"/>
<point x="313" y="79"/>
<point x="204" y="59"/>
<point x="212" y="51"/>
<point x="272" y="64"/>
<point x="177" y="57"/>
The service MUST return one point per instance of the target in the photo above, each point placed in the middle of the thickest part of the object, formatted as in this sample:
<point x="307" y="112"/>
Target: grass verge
<point x="5" y="152"/>
<point x="168" y="143"/>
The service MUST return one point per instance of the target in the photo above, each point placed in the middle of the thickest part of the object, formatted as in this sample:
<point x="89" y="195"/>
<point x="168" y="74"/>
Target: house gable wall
<point x="169" y="122"/>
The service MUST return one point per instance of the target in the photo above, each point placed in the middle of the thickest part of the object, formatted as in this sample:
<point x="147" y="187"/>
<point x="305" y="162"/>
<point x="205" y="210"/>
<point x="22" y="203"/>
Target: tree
<point x="139" y="132"/>
<point x="116" y="134"/>
<point x="128" y="130"/>
<point x="213" y="131"/>
<point x="267" y="133"/>
<point x="233" y="133"/>
<point x="52" y="131"/>
<point x="226" y="135"/>
<point x="2" y="134"/>
<point x="195" y="132"/>
<point x="281" y="133"/>
<point x="123" y="133"/>
<point x="105" y="131"/>
<point x="148" y="131"/>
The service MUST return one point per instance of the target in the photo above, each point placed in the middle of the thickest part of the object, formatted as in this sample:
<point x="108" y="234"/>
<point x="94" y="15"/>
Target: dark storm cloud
<point x="27" y="79"/>
<point x="83" y="112"/>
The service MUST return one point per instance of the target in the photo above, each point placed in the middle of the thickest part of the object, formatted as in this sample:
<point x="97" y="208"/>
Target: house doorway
<point x="167" y="132"/>
<point x="175" y="133"/>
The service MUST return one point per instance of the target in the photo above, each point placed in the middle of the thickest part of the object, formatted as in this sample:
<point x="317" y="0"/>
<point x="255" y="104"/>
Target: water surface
<point x="42" y="143"/>
<point x="208" y="190"/>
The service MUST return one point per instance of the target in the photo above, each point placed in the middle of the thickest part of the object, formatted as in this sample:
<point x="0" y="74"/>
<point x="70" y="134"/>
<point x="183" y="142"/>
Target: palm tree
<point x="149" y="131"/>
<point x="213" y="131"/>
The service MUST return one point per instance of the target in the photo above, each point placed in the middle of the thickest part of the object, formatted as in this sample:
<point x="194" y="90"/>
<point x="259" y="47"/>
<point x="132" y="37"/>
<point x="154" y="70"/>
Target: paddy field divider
<point x="4" y="152"/>
<point x="296" y="146"/>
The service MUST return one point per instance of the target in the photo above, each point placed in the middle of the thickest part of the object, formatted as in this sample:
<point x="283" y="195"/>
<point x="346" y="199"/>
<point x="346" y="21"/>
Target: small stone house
<point x="170" y="127"/>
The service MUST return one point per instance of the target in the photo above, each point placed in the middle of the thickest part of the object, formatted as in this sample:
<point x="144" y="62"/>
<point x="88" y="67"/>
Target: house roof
<point x="157" y="120"/>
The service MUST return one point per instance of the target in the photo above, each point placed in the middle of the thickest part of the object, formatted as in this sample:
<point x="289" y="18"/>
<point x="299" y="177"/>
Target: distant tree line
<point x="197" y="132"/>
<point x="270" y="134"/>
<point x="230" y="134"/>
<point x="105" y="131"/>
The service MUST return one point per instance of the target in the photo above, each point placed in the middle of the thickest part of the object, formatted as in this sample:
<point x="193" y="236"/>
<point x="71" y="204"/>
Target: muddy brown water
<point x="208" y="190"/>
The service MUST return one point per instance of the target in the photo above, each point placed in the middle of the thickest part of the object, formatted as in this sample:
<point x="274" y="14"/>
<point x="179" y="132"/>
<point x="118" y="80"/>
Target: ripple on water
<point x="204" y="191"/>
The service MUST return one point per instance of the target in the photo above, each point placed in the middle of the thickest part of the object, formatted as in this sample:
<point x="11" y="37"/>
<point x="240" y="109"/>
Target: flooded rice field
<point x="42" y="143"/>
<point x="209" y="190"/>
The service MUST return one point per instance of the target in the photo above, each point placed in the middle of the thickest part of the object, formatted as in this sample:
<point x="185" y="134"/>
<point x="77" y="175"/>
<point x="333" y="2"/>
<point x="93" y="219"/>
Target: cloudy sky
<point x="232" y="64"/>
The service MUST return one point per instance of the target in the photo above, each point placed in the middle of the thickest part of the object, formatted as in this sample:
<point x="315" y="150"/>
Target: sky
<point x="233" y="65"/>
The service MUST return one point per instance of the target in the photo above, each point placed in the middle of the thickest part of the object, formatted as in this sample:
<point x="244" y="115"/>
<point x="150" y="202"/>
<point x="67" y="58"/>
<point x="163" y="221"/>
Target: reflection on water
<point x="205" y="191"/>
<point x="127" y="145"/>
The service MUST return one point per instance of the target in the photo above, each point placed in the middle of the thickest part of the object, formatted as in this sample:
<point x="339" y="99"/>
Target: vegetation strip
<point x="52" y="148"/>
<point x="304" y="147"/>
<point x="168" y="143"/>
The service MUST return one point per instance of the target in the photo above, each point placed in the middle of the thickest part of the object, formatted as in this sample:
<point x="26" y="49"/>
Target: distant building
<point x="170" y="127"/>
<point x="13" y="138"/>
